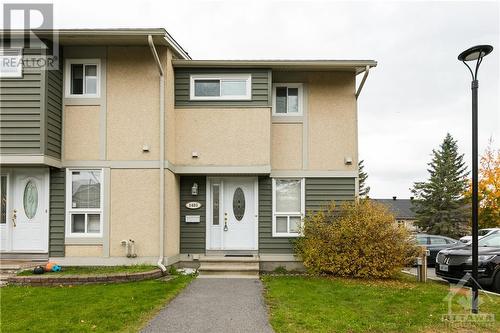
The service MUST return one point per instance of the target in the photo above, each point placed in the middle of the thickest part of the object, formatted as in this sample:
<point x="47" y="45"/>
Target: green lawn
<point x="122" y="307"/>
<point x="89" y="270"/>
<point x="313" y="304"/>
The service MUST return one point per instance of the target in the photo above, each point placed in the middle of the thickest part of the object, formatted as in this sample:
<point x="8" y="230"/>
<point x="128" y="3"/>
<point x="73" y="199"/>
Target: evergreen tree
<point x="440" y="205"/>
<point x="363" y="189"/>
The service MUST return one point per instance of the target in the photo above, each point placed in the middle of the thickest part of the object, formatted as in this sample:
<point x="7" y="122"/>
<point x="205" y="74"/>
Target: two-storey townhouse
<point x="133" y="152"/>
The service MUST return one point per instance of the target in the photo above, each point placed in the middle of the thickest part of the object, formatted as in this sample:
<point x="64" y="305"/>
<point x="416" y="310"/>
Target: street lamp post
<point x="474" y="53"/>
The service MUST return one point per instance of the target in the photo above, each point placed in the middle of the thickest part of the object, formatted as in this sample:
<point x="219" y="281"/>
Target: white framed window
<point x="288" y="206"/>
<point x="288" y="99"/>
<point x="220" y="87"/>
<point x="84" y="202"/>
<point x="82" y="78"/>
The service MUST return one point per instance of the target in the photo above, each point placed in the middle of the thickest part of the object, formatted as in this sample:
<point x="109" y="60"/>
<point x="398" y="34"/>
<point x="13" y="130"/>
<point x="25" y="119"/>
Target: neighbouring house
<point x="132" y="152"/>
<point x="402" y="211"/>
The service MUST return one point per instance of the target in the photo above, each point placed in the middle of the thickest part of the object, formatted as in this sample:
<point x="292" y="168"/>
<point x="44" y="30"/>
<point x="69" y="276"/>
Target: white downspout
<point x="162" y="152"/>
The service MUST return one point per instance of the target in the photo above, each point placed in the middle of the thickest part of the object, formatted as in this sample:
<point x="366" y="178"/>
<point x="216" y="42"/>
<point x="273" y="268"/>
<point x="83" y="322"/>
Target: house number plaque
<point x="193" y="205"/>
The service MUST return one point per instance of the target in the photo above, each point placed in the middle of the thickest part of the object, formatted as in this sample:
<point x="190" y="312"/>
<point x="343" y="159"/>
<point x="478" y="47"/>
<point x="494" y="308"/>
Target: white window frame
<point x="70" y="210"/>
<point x="300" y="110"/>
<point x="67" y="77"/>
<point x="288" y="214"/>
<point x="221" y="77"/>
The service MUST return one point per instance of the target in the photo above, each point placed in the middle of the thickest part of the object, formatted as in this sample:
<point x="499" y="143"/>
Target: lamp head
<point x="475" y="52"/>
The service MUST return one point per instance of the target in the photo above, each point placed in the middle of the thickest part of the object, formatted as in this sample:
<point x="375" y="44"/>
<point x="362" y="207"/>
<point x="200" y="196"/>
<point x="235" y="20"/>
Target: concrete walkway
<point x="215" y="305"/>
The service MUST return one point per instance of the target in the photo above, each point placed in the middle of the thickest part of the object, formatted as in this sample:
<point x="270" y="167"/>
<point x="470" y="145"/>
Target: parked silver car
<point x="481" y="233"/>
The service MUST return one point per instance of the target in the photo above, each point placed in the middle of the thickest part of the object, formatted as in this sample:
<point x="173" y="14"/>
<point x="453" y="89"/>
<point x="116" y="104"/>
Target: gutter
<point x="367" y="71"/>
<point x="162" y="152"/>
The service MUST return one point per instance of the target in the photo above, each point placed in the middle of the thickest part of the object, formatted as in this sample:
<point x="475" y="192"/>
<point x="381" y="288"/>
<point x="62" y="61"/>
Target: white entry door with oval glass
<point x="25" y="210"/>
<point x="232" y="208"/>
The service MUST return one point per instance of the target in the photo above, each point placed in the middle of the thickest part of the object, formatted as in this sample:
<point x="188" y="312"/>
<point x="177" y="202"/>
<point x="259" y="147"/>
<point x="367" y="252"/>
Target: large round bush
<point x="358" y="239"/>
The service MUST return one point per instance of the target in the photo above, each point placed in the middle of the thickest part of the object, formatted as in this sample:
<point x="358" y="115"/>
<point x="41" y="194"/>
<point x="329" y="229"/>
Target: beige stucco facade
<point x="81" y="132"/>
<point x="83" y="250"/>
<point x="134" y="208"/>
<point x="330" y="120"/>
<point x="287" y="145"/>
<point x="223" y="137"/>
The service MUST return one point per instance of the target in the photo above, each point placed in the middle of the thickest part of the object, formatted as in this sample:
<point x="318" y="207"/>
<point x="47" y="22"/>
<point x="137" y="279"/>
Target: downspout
<point x="162" y="152"/>
<point x="367" y="71"/>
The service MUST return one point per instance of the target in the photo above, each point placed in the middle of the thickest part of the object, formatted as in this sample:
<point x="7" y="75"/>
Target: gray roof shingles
<point x="401" y="208"/>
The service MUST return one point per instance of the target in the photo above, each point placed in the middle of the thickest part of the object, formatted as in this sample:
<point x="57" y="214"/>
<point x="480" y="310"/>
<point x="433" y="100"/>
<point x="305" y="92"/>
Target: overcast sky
<point x="416" y="94"/>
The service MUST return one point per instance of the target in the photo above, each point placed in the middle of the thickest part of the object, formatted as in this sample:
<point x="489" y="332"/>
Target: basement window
<point x="82" y="78"/>
<point x="221" y="87"/>
<point x="84" y="203"/>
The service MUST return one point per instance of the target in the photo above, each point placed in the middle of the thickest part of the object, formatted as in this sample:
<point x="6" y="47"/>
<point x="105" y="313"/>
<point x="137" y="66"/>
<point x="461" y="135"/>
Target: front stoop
<point x="229" y="267"/>
<point x="9" y="268"/>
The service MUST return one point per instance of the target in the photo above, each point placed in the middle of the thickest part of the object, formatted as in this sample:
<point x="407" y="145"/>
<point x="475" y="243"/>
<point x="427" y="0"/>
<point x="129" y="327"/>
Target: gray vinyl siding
<point x="261" y="88"/>
<point x="57" y="212"/>
<point x="192" y="234"/>
<point x="319" y="192"/>
<point x="31" y="112"/>
<point x="53" y="114"/>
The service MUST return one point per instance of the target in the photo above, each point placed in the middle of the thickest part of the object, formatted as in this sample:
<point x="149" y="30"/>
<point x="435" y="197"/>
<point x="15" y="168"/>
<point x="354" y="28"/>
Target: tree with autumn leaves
<point x="488" y="188"/>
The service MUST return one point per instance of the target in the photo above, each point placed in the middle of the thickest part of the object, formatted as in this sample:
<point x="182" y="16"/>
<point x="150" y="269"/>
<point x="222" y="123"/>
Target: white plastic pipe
<point x="162" y="152"/>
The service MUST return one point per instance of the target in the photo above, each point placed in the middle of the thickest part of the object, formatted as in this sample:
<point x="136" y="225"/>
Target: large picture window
<point x="221" y="87"/>
<point x="288" y="206"/>
<point x="84" y="203"/>
<point x="82" y="78"/>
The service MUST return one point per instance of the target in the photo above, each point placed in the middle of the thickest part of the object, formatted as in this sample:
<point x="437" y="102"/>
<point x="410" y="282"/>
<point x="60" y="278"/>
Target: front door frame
<point x="11" y="174"/>
<point x="211" y="229"/>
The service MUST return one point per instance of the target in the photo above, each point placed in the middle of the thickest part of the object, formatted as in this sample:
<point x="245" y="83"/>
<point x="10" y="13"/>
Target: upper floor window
<point x="82" y="78"/>
<point x="221" y="87"/>
<point x="287" y="99"/>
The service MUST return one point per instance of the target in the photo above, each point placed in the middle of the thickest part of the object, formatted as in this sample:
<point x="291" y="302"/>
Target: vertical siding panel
<point x="192" y="234"/>
<point x="57" y="212"/>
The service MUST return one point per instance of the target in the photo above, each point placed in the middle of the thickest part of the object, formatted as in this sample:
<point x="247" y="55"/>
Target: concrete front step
<point x="229" y="267"/>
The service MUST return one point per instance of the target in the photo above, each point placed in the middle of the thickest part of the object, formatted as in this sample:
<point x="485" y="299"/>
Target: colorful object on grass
<point x="56" y="268"/>
<point x="38" y="270"/>
<point x="49" y="265"/>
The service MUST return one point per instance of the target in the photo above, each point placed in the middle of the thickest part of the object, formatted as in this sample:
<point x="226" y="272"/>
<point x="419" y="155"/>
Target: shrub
<point x="357" y="240"/>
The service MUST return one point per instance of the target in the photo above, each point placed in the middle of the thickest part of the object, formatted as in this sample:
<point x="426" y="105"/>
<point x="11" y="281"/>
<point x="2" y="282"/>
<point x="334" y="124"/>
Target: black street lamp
<point x="474" y="53"/>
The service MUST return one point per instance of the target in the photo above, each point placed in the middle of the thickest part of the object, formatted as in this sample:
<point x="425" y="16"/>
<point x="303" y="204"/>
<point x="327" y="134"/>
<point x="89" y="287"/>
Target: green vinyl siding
<point x="319" y="192"/>
<point x="31" y="111"/>
<point x="261" y="88"/>
<point x="192" y="234"/>
<point x="57" y="212"/>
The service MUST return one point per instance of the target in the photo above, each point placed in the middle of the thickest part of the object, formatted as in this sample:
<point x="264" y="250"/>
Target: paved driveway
<point x="215" y="305"/>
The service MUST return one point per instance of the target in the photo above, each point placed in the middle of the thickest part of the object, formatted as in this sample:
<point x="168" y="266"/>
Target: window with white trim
<point x="221" y="87"/>
<point x="288" y="99"/>
<point x="288" y="206"/>
<point x="82" y="78"/>
<point x="84" y="201"/>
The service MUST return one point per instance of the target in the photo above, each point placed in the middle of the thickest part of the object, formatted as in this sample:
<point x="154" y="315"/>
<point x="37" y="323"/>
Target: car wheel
<point x="496" y="283"/>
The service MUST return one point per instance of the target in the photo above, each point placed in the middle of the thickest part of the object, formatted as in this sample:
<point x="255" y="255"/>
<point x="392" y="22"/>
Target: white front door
<point x="232" y="214"/>
<point x="26" y="211"/>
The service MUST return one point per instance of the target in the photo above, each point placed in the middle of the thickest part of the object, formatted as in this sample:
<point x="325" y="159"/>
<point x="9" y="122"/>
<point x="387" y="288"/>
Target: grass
<point x="314" y="304"/>
<point x="93" y="270"/>
<point x="122" y="307"/>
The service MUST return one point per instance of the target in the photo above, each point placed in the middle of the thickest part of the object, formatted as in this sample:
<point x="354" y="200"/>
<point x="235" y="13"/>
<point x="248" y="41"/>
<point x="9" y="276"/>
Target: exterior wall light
<point x="194" y="189"/>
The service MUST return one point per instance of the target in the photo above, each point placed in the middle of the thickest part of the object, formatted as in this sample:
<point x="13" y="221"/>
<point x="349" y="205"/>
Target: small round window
<point x="239" y="204"/>
<point x="30" y="199"/>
